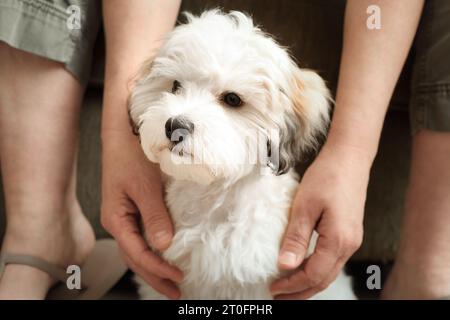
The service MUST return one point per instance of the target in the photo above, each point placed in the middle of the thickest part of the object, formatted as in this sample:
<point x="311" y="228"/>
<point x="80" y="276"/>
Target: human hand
<point x="132" y="189"/>
<point x="330" y="199"/>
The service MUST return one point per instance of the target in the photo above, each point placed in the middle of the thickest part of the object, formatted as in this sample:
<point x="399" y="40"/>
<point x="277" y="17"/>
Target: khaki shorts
<point x="41" y="27"/>
<point x="430" y="89"/>
<point x="60" y="30"/>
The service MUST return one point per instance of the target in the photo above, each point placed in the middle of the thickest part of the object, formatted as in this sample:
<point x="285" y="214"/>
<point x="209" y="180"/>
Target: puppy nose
<point x="179" y="127"/>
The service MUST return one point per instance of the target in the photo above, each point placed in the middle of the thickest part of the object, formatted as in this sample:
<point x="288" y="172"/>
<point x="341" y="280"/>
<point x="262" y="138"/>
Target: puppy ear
<point x="137" y="86"/>
<point x="134" y="126"/>
<point x="306" y="118"/>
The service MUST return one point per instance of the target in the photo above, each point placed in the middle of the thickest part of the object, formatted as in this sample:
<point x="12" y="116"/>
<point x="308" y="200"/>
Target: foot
<point x="67" y="239"/>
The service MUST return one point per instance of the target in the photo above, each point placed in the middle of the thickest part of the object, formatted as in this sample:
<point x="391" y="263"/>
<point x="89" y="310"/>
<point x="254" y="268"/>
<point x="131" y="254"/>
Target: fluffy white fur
<point x="230" y="183"/>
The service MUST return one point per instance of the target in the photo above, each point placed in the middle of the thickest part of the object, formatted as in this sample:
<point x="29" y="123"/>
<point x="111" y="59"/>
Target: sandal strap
<point x="38" y="263"/>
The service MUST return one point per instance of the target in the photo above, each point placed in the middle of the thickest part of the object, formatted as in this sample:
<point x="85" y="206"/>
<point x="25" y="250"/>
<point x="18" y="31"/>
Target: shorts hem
<point x="40" y="28"/>
<point x="430" y="108"/>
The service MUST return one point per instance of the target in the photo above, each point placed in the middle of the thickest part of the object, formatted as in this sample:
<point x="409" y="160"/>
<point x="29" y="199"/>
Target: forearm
<point x="370" y="66"/>
<point x="134" y="31"/>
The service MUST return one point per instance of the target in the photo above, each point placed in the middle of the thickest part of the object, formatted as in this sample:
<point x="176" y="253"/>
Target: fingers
<point x="322" y="268"/>
<point x="313" y="276"/>
<point x="150" y="267"/>
<point x="155" y="218"/>
<point x="163" y="286"/>
<point x="137" y="250"/>
<point x="309" y="293"/>
<point x="297" y="237"/>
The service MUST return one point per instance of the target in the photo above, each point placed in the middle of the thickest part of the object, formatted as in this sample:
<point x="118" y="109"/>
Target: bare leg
<point x="422" y="267"/>
<point x="39" y="107"/>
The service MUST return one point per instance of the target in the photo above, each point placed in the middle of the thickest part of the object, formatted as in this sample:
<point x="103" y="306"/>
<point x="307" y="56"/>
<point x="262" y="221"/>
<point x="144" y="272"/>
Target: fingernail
<point x="288" y="258"/>
<point x="179" y="277"/>
<point x="161" y="237"/>
<point x="274" y="292"/>
<point x="175" y="296"/>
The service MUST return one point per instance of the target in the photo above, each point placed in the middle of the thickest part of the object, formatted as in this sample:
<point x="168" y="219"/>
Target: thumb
<point x="156" y="220"/>
<point x="296" y="239"/>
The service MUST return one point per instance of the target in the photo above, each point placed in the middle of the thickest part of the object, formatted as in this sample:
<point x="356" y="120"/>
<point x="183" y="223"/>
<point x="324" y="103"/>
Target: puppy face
<point x="222" y="98"/>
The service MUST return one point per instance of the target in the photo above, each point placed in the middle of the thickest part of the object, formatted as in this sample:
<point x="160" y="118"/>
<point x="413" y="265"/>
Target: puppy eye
<point x="176" y="86"/>
<point x="232" y="99"/>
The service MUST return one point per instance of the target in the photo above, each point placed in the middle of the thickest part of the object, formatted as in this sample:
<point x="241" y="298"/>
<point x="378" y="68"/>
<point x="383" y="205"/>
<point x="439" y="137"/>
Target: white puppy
<point x="226" y="113"/>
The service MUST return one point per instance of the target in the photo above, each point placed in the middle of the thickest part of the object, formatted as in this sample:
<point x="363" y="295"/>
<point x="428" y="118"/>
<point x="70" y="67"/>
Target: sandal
<point x="99" y="273"/>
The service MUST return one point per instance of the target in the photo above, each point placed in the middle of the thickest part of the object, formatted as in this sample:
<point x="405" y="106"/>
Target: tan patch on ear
<point x="142" y="73"/>
<point x="145" y="68"/>
<point x="297" y="89"/>
<point x="310" y="102"/>
<point x="307" y="87"/>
